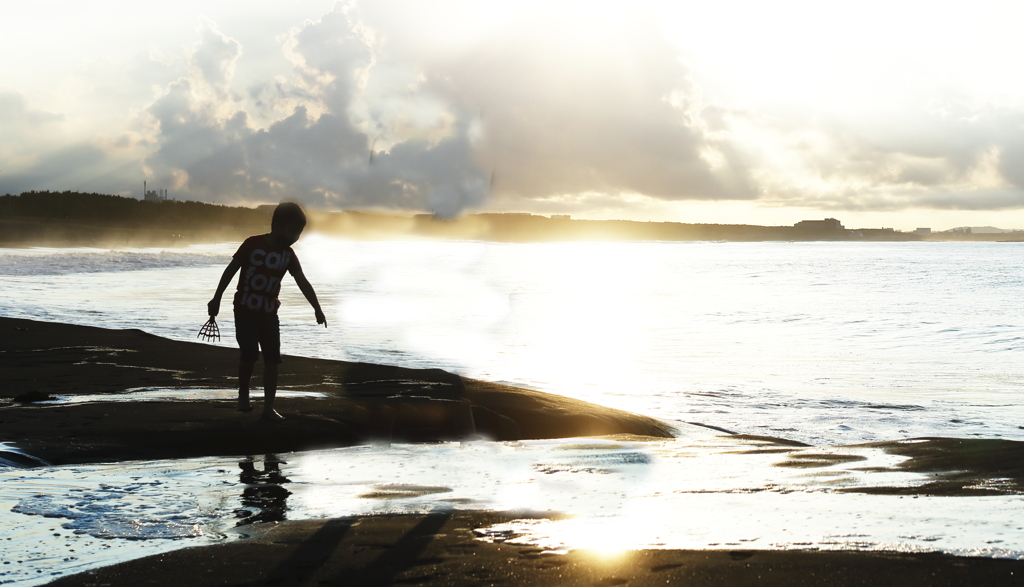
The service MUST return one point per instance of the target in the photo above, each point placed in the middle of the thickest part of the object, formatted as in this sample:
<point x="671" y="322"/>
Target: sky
<point x="881" y="114"/>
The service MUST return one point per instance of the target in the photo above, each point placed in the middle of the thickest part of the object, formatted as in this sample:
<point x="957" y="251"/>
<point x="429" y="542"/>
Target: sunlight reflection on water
<point x="701" y="491"/>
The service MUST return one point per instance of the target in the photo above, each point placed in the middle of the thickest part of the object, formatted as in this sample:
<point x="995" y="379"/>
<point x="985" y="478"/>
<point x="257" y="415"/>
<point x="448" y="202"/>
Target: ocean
<point x="825" y="343"/>
<point x="831" y="344"/>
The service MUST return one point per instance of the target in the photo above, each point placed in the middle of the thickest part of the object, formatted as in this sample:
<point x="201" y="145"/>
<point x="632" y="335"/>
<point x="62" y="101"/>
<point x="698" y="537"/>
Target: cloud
<point x="31" y="162"/>
<point x="957" y="157"/>
<point x="456" y="105"/>
<point x="80" y="167"/>
<point x="364" y="122"/>
<point x="16" y="114"/>
<point x="95" y="145"/>
<point x="215" y="56"/>
<point x="25" y="129"/>
<point x="568" y="107"/>
<point x="58" y="166"/>
<point x="320" y="151"/>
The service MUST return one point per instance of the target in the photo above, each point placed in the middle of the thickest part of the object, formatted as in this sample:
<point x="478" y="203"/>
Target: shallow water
<point x="160" y="394"/>
<point x="701" y="491"/>
<point x="62" y="520"/>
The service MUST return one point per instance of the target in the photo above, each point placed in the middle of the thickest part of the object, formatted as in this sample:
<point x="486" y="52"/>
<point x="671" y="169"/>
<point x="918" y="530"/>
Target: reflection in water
<point x="263" y="499"/>
<point x="701" y="491"/>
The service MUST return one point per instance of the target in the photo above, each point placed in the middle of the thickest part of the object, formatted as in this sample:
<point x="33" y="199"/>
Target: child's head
<point x="288" y="222"/>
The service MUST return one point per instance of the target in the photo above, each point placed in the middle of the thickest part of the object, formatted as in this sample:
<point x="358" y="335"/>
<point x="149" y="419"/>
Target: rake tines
<point x="210" y="331"/>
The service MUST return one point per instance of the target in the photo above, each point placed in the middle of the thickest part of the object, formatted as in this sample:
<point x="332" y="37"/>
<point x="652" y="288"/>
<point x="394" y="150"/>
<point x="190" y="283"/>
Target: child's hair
<point x="287" y="213"/>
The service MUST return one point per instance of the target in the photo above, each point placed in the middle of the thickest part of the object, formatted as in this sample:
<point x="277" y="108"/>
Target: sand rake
<point x="210" y="331"/>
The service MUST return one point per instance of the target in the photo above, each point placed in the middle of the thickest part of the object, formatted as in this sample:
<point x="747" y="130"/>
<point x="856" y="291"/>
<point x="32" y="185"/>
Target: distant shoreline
<point x="97" y="220"/>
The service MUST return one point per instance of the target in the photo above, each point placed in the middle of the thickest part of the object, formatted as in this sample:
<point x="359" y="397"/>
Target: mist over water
<point x="827" y="343"/>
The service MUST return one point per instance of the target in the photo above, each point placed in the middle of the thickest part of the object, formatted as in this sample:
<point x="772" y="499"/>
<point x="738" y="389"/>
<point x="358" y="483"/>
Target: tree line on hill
<point x="117" y="210"/>
<point x="76" y="219"/>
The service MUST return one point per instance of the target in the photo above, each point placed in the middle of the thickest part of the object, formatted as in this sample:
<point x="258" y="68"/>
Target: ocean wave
<point x="33" y="262"/>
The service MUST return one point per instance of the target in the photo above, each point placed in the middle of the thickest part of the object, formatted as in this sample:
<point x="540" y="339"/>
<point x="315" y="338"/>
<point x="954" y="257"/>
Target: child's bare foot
<point x="244" y="405"/>
<point x="271" y="415"/>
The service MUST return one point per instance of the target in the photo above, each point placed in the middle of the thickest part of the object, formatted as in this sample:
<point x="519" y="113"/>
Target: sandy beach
<point x="353" y="403"/>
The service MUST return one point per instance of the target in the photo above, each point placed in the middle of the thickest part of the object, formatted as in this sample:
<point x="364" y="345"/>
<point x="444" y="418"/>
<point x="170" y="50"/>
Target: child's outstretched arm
<point x="225" y="280"/>
<point x="307" y="290"/>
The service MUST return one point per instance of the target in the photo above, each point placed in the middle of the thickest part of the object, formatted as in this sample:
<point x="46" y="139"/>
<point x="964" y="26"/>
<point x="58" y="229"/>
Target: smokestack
<point x="143" y="189"/>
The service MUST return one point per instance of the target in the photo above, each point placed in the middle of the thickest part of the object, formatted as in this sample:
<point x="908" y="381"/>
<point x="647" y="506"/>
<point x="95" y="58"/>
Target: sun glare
<point x="581" y="335"/>
<point x="605" y="538"/>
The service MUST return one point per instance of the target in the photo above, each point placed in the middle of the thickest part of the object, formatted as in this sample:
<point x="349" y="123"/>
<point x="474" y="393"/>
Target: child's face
<point x="290" y="233"/>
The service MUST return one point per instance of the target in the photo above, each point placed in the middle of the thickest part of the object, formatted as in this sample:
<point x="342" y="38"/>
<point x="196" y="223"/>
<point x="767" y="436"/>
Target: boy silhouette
<point x="264" y="259"/>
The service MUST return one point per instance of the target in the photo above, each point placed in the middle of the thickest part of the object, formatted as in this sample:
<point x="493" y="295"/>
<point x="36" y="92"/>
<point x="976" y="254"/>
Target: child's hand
<point x="213" y="307"/>
<point x="320" y="318"/>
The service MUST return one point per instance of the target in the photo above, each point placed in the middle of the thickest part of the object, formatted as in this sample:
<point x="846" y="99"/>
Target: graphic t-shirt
<point x="259" y="279"/>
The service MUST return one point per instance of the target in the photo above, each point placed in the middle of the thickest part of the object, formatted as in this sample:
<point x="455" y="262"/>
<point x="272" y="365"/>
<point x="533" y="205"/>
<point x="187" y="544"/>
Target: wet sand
<point x="442" y="549"/>
<point x="367" y="402"/>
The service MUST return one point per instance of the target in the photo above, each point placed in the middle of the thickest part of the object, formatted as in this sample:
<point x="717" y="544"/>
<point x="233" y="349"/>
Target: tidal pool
<point x="702" y="490"/>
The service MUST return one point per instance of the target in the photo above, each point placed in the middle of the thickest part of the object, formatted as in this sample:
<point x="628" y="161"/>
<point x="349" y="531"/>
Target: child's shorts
<point x="258" y="331"/>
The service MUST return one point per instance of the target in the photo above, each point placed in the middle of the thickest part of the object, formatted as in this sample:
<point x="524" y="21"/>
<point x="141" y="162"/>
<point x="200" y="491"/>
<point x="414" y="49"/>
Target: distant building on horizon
<point x="923" y="231"/>
<point x="153" y="195"/>
<point x="826" y="224"/>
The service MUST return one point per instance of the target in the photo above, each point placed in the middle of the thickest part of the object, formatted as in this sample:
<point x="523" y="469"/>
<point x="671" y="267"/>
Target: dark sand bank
<point x="949" y="466"/>
<point x="364" y="402"/>
<point x="442" y="549"/>
<point x="956" y="466"/>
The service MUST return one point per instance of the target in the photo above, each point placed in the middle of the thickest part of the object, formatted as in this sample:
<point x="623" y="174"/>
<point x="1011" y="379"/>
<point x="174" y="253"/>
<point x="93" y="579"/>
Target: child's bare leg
<point x="270" y="390"/>
<point x="245" y="369"/>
